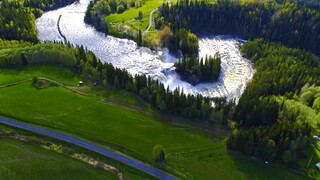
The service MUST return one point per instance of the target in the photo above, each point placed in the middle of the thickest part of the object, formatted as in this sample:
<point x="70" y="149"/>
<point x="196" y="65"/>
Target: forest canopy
<point x="14" y="27"/>
<point x="289" y="23"/>
<point x="195" y="70"/>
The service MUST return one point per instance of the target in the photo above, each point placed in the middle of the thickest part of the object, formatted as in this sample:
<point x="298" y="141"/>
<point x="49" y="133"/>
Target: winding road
<point x="150" y="21"/>
<point x="114" y="155"/>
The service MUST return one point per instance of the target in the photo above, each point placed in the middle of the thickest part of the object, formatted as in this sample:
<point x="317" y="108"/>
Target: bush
<point x="307" y="97"/>
<point x="34" y="80"/>
<point x="140" y="14"/>
<point x="316" y="104"/>
<point x="286" y="156"/>
<point x="120" y="9"/>
<point x="159" y="153"/>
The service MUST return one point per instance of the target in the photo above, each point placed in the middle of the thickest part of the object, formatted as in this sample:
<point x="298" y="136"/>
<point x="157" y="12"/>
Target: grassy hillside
<point x="130" y="128"/>
<point x="10" y="75"/>
<point x="20" y="160"/>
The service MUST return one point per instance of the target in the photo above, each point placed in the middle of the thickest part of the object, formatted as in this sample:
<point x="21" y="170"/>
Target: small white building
<point x="318" y="165"/>
<point x="80" y="83"/>
<point x="316" y="137"/>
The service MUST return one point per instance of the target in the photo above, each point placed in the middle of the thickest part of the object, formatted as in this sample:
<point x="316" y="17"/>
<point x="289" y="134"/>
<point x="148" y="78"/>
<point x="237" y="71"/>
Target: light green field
<point x="19" y="160"/>
<point x="130" y="14"/>
<point x="127" y="18"/>
<point x="90" y="117"/>
<point x="52" y="72"/>
<point x="219" y="163"/>
<point x="132" y="131"/>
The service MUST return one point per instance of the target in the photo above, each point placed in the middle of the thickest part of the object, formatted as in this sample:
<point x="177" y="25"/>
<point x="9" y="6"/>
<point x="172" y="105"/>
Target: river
<point x="235" y="74"/>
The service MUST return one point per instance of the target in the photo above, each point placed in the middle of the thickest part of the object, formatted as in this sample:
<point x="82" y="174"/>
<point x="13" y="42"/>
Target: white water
<point x="123" y="53"/>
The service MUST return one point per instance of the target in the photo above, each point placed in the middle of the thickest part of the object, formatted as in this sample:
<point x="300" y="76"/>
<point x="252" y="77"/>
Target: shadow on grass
<point x="255" y="168"/>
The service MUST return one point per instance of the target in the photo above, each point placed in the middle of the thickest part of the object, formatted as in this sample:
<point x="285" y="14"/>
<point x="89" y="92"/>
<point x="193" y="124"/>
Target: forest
<point x="46" y="5"/>
<point x="289" y="23"/>
<point x="286" y="141"/>
<point x="95" y="14"/>
<point x="195" y="70"/>
<point x="13" y="27"/>
<point x="279" y="71"/>
<point x="179" y="40"/>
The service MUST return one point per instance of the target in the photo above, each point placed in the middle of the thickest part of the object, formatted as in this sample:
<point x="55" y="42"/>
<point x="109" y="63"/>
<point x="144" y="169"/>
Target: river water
<point x="236" y="70"/>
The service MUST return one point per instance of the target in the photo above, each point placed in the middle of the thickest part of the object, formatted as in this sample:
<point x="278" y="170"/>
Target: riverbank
<point x="59" y="30"/>
<point x="236" y="71"/>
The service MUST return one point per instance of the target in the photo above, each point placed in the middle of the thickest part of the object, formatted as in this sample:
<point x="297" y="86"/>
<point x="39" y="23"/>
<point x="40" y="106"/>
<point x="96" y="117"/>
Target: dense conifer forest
<point x="14" y="27"/>
<point x="195" y="70"/>
<point x="288" y="23"/>
<point x="279" y="71"/>
<point x="286" y="141"/>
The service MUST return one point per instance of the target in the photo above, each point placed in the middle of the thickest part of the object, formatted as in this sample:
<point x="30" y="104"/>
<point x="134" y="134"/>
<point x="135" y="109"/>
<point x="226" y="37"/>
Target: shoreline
<point x="59" y="30"/>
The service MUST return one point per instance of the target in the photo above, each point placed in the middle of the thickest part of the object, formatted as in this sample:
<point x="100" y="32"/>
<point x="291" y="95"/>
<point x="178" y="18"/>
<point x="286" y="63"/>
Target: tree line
<point x="286" y="141"/>
<point x="288" y="23"/>
<point x="86" y="64"/>
<point x="263" y="129"/>
<point x="13" y="26"/>
<point x="179" y="39"/>
<point x="195" y="70"/>
<point x="17" y="18"/>
<point x="279" y="70"/>
<point x="46" y="5"/>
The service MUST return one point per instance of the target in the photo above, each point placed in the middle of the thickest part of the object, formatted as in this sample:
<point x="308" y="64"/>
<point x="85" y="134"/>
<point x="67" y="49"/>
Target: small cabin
<point x="318" y="165"/>
<point x="80" y="83"/>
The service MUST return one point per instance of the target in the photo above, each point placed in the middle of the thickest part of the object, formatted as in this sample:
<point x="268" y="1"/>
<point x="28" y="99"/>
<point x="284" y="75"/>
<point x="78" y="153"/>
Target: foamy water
<point x="123" y="53"/>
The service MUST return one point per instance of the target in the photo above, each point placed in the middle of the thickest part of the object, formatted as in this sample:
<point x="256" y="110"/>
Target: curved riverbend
<point x="236" y="70"/>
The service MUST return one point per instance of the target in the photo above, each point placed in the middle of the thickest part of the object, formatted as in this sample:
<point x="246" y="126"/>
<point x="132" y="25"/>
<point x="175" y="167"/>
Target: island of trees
<point x="195" y="70"/>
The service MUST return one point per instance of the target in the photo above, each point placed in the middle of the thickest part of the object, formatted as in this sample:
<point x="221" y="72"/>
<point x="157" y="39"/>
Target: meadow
<point x="20" y="160"/>
<point x="131" y="13"/>
<point x="122" y="122"/>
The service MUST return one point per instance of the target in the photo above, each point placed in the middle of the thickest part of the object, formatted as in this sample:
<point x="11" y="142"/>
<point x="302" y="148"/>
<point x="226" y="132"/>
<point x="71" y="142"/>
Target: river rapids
<point x="236" y="71"/>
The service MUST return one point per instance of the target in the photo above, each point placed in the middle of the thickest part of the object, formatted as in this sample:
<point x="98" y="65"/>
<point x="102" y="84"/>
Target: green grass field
<point x="127" y="19"/>
<point x="19" y="160"/>
<point x="52" y="72"/>
<point x="100" y="119"/>
<point x="65" y="150"/>
<point x="131" y="13"/>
